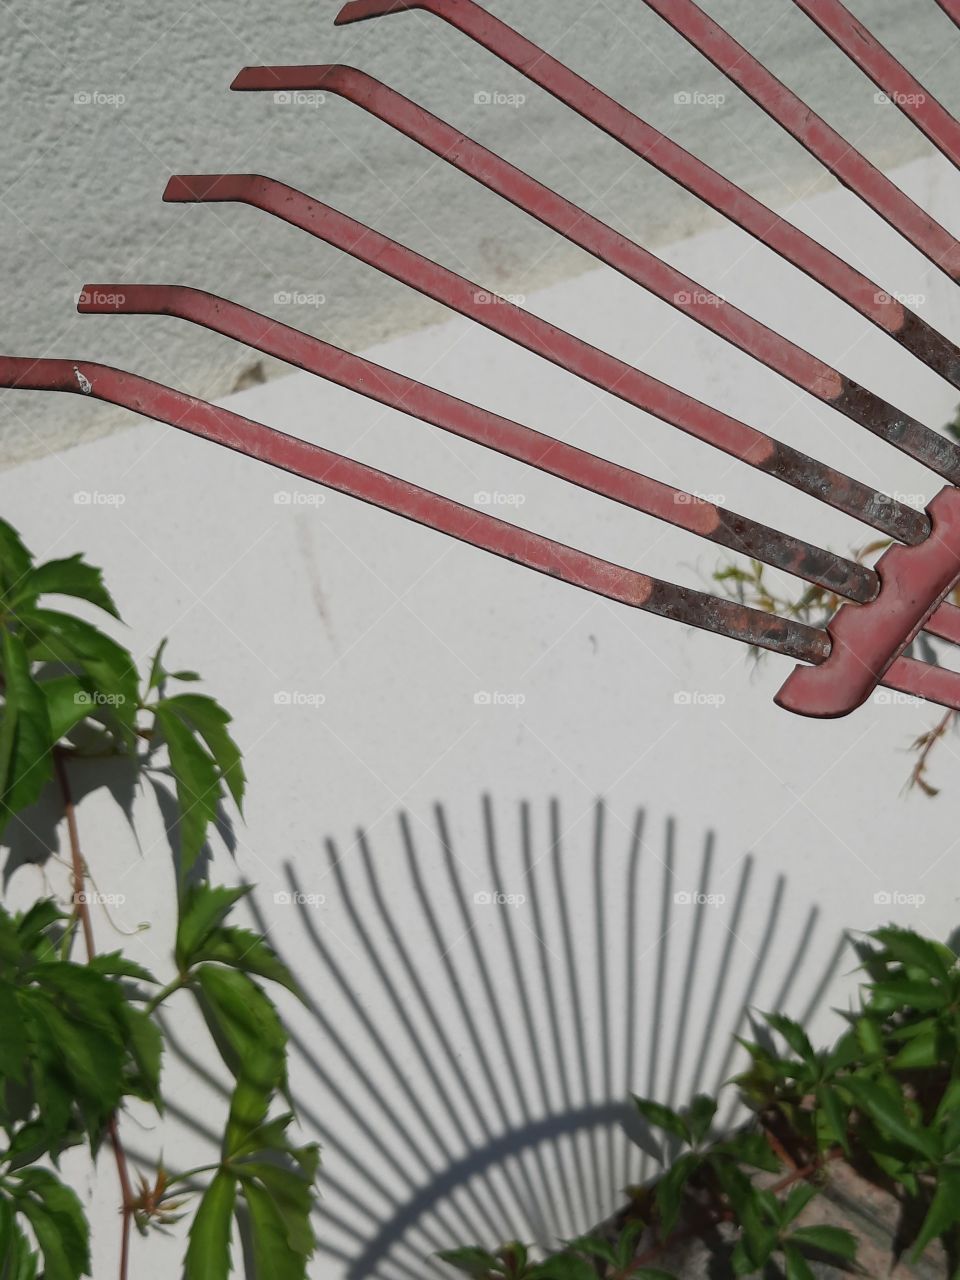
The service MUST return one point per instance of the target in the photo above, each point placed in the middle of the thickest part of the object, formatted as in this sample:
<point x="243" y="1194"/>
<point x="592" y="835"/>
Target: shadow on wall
<point x="467" y="1058"/>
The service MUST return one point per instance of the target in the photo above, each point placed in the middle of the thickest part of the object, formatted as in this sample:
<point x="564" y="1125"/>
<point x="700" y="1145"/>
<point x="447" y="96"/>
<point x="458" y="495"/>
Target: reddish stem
<point x="82" y="912"/>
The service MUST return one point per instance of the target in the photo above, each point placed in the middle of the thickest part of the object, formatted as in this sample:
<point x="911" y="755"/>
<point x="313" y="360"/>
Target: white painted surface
<point x="80" y="195"/>
<point x="398" y="630"/>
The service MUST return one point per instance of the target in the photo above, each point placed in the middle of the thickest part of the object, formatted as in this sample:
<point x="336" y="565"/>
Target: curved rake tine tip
<point x="360" y="10"/>
<point x="868" y="639"/>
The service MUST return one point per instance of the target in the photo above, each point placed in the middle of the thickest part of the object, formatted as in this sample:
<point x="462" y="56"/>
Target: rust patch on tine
<point x="867" y="639"/>
<point x="900" y="87"/>
<point x="358" y="480"/>
<point x="553" y="344"/>
<point x="836" y="573"/>
<point x="878" y="306"/>
<point x="813" y="133"/>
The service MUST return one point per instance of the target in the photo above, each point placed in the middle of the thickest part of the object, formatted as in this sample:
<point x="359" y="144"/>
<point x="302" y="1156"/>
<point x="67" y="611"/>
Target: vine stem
<point x="82" y="912"/>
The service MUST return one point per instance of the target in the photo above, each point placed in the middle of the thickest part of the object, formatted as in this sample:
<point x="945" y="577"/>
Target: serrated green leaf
<point x="912" y="949"/>
<point x="116" y="965"/>
<point x="15" y="559"/>
<point x="70" y="577"/>
<point x="662" y="1117"/>
<point x="292" y="1197"/>
<point x="210" y="720"/>
<point x="797" y="1266"/>
<point x="699" y="1116"/>
<point x="13" y="1035"/>
<point x="26" y="764"/>
<point x="273" y="1257"/>
<point x="208" y="1254"/>
<point x="920" y="1051"/>
<point x="944" y="1208"/>
<point x="56" y="1215"/>
<point x="106" y="668"/>
<point x="793" y="1033"/>
<point x="888" y="1111"/>
<point x="469" y="1261"/>
<point x="68" y="702"/>
<point x="795" y="1201"/>
<point x="248" y="951"/>
<point x="835" y="1114"/>
<point x="669" y="1190"/>
<point x="901" y="992"/>
<point x="145" y="1043"/>
<point x="44" y="913"/>
<point x="593" y="1247"/>
<point x="832" y="1240"/>
<point x="198" y="786"/>
<point x="749" y="1148"/>
<point x="203" y="909"/>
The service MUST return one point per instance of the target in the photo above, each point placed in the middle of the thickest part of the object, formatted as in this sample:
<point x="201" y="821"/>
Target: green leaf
<point x="273" y="1257"/>
<point x="208" y="1254"/>
<point x="888" y="1112"/>
<point x="15" y="559"/>
<point x="71" y="577"/>
<point x="44" y="913"/>
<point x="749" y="1148"/>
<point x="470" y="1261"/>
<point x="13" y="1036"/>
<point x="669" y="1190"/>
<point x="203" y="909"/>
<point x="944" y="1208"/>
<point x="794" y="1035"/>
<point x="833" y="1116"/>
<point x="796" y="1201"/>
<point x="68" y="702"/>
<point x="564" y="1266"/>
<point x="292" y="1195"/>
<point x="210" y="720"/>
<point x="198" y="785"/>
<point x="662" y="1117"/>
<point x="116" y="965"/>
<point x="700" y="1115"/>
<point x="56" y="1215"/>
<point x="593" y="1247"/>
<point x="912" y="949"/>
<point x="106" y="668"/>
<point x="242" y="949"/>
<point x="797" y="1266"/>
<point x="832" y="1240"/>
<point x="891" y="996"/>
<point x="145" y="1043"/>
<point x="25" y="761"/>
<point x="920" y="1051"/>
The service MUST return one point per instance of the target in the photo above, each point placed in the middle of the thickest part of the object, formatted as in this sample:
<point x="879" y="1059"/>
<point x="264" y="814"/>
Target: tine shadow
<point x="482" y="998"/>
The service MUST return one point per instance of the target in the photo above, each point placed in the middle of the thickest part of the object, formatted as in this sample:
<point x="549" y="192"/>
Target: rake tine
<point x="813" y="133"/>
<point x="488" y="533"/>
<point x="617" y="251"/>
<point x="889" y="75"/>
<point x="833" y="572"/>
<point x="952" y="9"/>
<point x="561" y="348"/>
<point x="852" y="169"/>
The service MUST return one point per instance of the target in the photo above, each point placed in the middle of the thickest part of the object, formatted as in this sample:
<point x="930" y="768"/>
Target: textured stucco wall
<point x="81" y="180"/>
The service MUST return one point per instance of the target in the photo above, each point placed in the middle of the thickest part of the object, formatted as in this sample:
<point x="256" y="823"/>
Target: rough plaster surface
<point x="452" y="1103"/>
<point x="80" y="195"/>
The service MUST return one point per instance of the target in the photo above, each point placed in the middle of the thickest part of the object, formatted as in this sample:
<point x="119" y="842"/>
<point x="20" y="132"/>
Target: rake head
<point x="885" y="607"/>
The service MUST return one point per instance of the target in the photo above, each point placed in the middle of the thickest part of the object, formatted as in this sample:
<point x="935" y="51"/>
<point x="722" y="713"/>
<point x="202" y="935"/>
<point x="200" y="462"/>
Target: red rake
<point x="865" y="642"/>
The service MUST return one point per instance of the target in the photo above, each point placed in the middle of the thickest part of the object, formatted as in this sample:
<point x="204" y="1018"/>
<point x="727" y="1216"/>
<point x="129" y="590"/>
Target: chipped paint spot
<point x="85" y="385"/>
